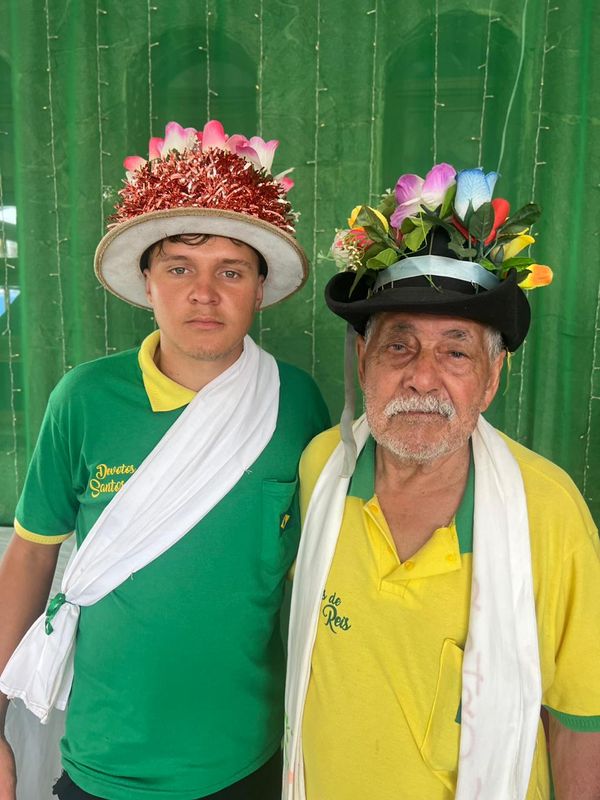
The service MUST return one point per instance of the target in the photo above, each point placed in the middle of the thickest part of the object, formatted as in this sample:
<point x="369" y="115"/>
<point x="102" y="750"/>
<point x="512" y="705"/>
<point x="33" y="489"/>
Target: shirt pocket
<point x="280" y="526"/>
<point x="441" y="744"/>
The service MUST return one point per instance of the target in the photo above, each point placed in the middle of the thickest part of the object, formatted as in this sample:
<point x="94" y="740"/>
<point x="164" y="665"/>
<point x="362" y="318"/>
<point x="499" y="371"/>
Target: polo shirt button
<point x="451" y="557"/>
<point x="374" y="508"/>
<point x="409" y="564"/>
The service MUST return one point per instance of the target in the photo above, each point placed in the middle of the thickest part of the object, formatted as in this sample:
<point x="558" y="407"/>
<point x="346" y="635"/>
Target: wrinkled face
<point x="204" y="296"/>
<point x="425" y="379"/>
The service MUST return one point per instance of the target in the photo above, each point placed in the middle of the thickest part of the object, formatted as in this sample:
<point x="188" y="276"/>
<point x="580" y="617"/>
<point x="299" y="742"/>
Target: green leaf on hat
<point x="372" y="251"/>
<point x="489" y="265"/>
<point x="426" y="216"/>
<point x="383" y="260"/>
<point x="448" y="201"/>
<point x="387" y="206"/>
<point x="522" y="218"/>
<point x="408" y="225"/>
<point x="375" y="234"/>
<point x="460" y="250"/>
<point x="482" y="222"/>
<point x="367" y="217"/>
<point x="517" y="262"/>
<point x="414" y="240"/>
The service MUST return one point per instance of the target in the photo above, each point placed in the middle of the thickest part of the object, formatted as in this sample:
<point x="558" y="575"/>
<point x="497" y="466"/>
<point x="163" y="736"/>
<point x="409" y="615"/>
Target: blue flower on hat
<point x="475" y="187"/>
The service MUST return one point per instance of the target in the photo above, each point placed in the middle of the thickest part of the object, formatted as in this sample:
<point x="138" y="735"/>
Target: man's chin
<point x="415" y="450"/>
<point x="206" y="354"/>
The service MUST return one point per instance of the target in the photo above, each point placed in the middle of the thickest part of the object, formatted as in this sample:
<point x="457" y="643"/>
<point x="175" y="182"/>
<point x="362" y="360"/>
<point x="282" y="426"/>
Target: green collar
<point x="362" y="485"/>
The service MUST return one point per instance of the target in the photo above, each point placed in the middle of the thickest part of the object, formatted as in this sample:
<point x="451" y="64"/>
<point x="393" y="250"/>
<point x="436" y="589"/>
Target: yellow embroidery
<point x="103" y="481"/>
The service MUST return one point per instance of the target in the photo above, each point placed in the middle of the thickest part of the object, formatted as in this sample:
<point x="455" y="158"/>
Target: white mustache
<point x="425" y="405"/>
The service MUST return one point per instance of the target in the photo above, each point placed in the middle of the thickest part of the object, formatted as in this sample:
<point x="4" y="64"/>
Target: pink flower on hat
<point x="412" y="192"/>
<point x="176" y="138"/>
<point x="255" y="150"/>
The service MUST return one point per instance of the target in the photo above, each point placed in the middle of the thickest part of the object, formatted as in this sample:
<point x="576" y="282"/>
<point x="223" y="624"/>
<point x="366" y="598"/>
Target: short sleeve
<point x="574" y="694"/>
<point x="47" y="509"/>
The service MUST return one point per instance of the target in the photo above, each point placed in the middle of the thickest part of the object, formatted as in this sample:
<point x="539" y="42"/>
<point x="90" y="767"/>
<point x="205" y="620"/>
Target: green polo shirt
<point x="178" y="688"/>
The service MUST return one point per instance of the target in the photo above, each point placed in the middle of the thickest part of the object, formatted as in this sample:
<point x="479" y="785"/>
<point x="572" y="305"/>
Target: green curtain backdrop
<point x="357" y="91"/>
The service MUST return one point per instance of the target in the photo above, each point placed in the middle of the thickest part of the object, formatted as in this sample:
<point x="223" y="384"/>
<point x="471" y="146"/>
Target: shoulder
<point x="313" y="459"/>
<point x="293" y="377"/>
<point x="87" y="377"/>
<point x="317" y="453"/>
<point x="554" y="502"/>
<point x="299" y="391"/>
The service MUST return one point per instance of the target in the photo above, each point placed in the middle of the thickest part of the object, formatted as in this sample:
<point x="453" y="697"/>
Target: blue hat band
<point x="439" y="267"/>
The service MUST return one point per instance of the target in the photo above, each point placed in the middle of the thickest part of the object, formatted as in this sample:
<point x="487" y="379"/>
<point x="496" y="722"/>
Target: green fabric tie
<point x="53" y="606"/>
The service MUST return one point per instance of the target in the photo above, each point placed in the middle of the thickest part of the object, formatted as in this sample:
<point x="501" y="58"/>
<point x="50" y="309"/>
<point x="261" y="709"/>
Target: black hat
<point x="434" y="285"/>
<point x="439" y="245"/>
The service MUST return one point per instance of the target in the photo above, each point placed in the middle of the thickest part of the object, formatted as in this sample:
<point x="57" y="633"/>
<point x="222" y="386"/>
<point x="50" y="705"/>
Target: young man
<point x="448" y="579"/>
<point x="176" y="466"/>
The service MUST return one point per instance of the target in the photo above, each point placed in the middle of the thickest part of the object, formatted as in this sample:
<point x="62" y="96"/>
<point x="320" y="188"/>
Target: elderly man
<point x="175" y="464"/>
<point x="448" y="581"/>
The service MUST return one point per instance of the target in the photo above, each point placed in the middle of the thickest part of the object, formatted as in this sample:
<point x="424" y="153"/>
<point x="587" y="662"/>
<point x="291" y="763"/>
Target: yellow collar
<point x="163" y="393"/>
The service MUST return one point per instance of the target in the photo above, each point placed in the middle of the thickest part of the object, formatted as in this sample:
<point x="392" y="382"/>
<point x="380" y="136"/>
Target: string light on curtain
<point x="54" y="210"/>
<point x="208" y="14"/>
<point x="149" y="11"/>
<point x="485" y="96"/>
<point x="593" y="398"/>
<point x="8" y="333"/>
<point x="373" y="13"/>
<point x="436" y="63"/>
<point x="536" y="164"/>
<point x="259" y="16"/>
<point x="315" y="162"/>
<point x="100" y="12"/>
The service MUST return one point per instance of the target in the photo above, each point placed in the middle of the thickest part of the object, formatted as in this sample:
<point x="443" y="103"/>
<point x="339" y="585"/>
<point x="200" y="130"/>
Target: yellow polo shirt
<point x="383" y="713"/>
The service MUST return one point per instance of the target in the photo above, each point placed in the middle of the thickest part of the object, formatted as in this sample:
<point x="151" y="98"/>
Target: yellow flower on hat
<point x="539" y="275"/>
<point x="356" y="211"/>
<point x="516" y="245"/>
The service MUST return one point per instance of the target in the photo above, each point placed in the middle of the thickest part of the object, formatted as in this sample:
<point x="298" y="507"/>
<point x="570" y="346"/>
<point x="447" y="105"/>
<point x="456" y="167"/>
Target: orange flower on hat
<point x="539" y="275"/>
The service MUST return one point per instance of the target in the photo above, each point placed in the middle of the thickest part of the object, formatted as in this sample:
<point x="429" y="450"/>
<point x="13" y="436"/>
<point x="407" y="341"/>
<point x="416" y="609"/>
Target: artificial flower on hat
<point x="190" y="168"/>
<point x="479" y="227"/>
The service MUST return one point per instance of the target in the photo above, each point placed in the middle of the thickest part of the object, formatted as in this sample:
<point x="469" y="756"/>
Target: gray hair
<point x="493" y="338"/>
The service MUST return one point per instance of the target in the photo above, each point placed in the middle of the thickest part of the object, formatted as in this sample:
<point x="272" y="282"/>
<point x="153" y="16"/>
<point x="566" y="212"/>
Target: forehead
<point x="215" y="247"/>
<point x="427" y="326"/>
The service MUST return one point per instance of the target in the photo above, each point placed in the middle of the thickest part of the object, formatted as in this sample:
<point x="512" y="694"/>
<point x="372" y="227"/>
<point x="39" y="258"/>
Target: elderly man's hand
<point x="8" y="772"/>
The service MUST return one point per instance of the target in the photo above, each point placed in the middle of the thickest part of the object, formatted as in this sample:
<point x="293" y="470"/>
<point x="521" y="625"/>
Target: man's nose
<point x="204" y="289"/>
<point x="422" y="373"/>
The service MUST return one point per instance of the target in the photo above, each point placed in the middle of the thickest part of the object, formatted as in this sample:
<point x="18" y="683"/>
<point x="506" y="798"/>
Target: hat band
<point x="438" y="266"/>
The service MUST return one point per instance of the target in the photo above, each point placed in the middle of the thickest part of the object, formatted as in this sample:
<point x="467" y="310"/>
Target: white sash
<point x="501" y="686"/>
<point x="201" y="457"/>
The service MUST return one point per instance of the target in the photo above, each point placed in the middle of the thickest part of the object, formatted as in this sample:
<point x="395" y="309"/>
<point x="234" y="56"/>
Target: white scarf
<point x="201" y="457"/>
<point x="501" y="686"/>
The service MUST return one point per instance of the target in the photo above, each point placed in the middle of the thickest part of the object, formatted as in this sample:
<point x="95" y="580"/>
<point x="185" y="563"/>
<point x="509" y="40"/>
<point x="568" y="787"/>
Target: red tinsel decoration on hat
<point x="215" y="179"/>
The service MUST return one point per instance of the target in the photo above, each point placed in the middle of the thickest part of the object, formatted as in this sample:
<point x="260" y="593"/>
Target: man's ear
<point x="260" y="290"/>
<point x="361" y="347"/>
<point x="146" y="274"/>
<point x="493" y="381"/>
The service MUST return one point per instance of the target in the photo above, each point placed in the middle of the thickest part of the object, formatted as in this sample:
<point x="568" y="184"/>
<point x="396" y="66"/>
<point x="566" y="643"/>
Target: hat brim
<point x="117" y="259"/>
<point x="504" y="308"/>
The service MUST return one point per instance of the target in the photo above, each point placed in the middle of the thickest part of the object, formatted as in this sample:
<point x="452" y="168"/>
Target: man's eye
<point x="231" y="273"/>
<point x="397" y="347"/>
<point x="178" y="270"/>
<point x="458" y="354"/>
